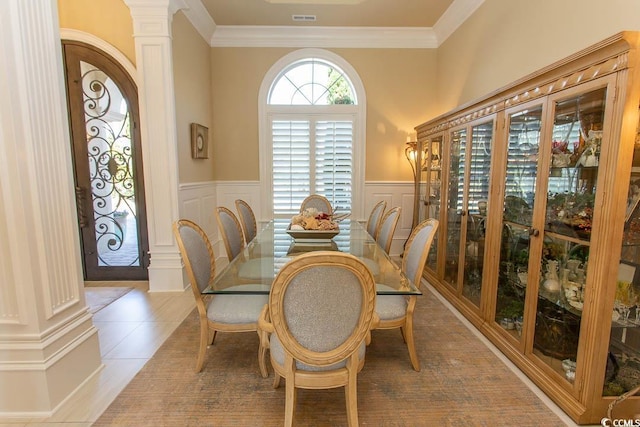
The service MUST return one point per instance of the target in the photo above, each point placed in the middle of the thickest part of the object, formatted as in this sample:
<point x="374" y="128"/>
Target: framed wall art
<point x="199" y="141"/>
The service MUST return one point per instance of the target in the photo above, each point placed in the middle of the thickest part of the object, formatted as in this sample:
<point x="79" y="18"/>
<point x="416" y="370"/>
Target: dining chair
<point x="396" y="311"/>
<point x="317" y="201"/>
<point x="247" y="220"/>
<point x="387" y="228"/>
<point x="375" y="217"/>
<point x="222" y="312"/>
<point x="320" y="310"/>
<point x="231" y="232"/>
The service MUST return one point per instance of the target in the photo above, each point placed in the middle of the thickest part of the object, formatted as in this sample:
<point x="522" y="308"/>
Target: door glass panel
<point x="573" y="172"/>
<point x="519" y="191"/>
<point x="623" y="361"/>
<point x="111" y="169"/>
<point x="431" y="187"/>
<point x="457" y="159"/>
<point x="480" y="170"/>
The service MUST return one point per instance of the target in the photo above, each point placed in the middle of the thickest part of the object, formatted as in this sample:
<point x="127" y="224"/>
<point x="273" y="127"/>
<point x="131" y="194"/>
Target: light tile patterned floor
<point x="130" y="331"/>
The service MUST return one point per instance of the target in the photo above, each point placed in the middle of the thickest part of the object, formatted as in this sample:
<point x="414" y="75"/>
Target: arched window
<point x="312" y="133"/>
<point x="312" y="81"/>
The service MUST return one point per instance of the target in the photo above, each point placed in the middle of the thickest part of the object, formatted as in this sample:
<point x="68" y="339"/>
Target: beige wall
<point x="506" y="40"/>
<point x="109" y="20"/>
<point x="400" y="90"/>
<point x="192" y="82"/>
<point x="401" y="93"/>
<point x="503" y="41"/>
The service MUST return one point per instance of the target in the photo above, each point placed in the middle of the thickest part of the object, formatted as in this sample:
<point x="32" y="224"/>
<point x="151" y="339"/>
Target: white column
<point x="48" y="344"/>
<point x="154" y="63"/>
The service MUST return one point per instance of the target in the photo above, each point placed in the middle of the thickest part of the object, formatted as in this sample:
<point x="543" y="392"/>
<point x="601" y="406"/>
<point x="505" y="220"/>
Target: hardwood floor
<point x="131" y="329"/>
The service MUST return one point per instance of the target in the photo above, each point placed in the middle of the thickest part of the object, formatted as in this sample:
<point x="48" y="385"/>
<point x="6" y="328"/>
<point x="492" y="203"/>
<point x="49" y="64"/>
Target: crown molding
<point x="328" y="37"/>
<point x="454" y="17"/>
<point x="199" y="17"/>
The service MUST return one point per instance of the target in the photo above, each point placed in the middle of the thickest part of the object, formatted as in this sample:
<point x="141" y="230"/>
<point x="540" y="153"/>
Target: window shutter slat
<point x="293" y="145"/>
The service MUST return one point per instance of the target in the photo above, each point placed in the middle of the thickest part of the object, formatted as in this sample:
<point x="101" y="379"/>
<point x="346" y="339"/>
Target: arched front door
<point x="103" y="116"/>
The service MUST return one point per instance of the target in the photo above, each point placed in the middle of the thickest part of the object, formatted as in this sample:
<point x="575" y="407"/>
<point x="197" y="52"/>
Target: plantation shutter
<point x="291" y="160"/>
<point x="334" y="159"/>
<point x="297" y="174"/>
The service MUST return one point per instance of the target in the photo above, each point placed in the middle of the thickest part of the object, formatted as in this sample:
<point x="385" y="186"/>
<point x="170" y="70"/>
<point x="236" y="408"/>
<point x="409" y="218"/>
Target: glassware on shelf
<point x="625" y="300"/>
<point x="552" y="283"/>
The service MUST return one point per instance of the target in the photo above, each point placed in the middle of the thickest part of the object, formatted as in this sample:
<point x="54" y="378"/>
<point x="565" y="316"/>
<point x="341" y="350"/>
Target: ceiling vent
<point x="304" y="18"/>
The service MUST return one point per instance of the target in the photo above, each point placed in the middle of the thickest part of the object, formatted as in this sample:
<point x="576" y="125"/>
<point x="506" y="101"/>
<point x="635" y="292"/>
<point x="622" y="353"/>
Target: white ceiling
<point x="338" y="23"/>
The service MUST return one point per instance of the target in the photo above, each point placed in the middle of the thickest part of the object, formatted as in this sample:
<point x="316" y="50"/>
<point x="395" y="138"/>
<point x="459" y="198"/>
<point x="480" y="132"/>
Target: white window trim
<point x="358" y="112"/>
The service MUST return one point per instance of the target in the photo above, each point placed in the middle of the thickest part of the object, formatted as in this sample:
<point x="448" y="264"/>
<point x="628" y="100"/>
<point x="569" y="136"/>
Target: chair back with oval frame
<point x="388" y="228"/>
<point x="317" y="201"/>
<point x="247" y="220"/>
<point x="375" y="218"/>
<point x="321" y="308"/>
<point x="231" y="230"/>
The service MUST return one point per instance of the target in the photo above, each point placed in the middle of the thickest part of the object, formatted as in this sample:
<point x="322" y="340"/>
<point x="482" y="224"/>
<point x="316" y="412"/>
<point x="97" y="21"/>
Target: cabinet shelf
<point x="539" y="220"/>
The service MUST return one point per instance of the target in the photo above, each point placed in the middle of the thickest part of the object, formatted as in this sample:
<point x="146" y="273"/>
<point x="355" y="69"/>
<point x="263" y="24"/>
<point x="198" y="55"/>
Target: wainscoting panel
<point x="249" y="191"/>
<point x="395" y="194"/>
<point x="198" y="201"/>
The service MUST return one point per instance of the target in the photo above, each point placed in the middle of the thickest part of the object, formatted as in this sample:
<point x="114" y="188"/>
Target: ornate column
<point x="48" y="344"/>
<point x="154" y="63"/>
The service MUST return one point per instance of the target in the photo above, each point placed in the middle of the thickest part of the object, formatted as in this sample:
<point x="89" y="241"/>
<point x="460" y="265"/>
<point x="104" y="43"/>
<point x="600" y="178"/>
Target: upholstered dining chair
<point x="231" y="231"/>
<point x="247" y="220"/>
<point x="320" y="310"/>
<point x="396" y="311"/>
<point x="317" y="201"/>
<point x="375" y="217"/>
<point x="387" y="228"/>
<point x="224" y="313"/>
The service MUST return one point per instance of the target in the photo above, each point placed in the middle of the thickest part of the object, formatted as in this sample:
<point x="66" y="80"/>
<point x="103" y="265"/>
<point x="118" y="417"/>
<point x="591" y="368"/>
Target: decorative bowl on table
<point x="313" y="225"/>
<point x="298" y="234"/>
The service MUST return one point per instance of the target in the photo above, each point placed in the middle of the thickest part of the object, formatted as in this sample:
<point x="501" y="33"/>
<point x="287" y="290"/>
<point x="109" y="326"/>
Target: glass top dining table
<point x="254" y="269"/>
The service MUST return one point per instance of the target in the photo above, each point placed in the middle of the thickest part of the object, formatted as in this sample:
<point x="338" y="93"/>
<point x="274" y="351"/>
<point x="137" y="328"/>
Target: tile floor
<point x="131" y="329"/>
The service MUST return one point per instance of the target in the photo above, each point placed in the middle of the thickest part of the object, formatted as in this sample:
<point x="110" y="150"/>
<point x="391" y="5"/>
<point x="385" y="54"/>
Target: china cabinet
<point x="429" y="187"/>
<point x="536" y="188"/>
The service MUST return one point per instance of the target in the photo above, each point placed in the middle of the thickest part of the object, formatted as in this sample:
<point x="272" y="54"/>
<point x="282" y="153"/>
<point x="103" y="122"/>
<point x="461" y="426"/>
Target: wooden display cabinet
<point x="539" y="243"/>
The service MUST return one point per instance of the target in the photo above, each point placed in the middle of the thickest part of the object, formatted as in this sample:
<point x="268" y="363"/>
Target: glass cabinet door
<point x="479" y="164"/>
<point x="623" y="362"/>
<point x="519" y="190"/>
<point x="467" y="194"/>
<point x="430" y="190"/>
<point x="455" y="193"/>
<point x="572" y="173"/>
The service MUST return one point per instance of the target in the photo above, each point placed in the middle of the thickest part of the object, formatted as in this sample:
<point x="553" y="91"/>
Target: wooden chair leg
<point x="404" y="335"/>
<point x="351" y="394"/>
<point x="262" y="360"/>
<point x="276" y="380"/>
<point x="413" y="355"/>
<point x="290" y="403"/>
<point x="204" y="335"/>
